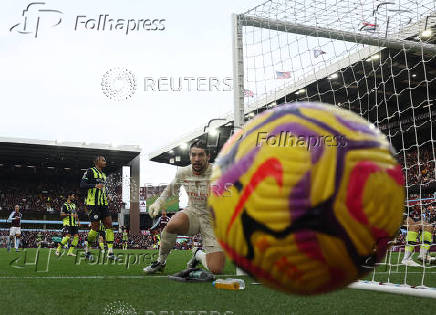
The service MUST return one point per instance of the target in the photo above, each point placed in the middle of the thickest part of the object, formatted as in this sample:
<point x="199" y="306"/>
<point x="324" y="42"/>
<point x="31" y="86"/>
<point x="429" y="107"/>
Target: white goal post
<point x="375" y="58"/>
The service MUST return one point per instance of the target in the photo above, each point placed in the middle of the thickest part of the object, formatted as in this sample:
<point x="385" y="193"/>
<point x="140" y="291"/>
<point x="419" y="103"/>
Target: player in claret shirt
<point x="125" y="238"/>
<point x="15" y="230"/>
<point x="160" y="223"/>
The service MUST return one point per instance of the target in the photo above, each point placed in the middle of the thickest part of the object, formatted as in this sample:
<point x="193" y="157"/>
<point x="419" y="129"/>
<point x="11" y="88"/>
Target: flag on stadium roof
<point x="283" y="75"/>
<point x="368" y="26"/>
<point x="318" y="52"/>
<point x="248" y="93"/>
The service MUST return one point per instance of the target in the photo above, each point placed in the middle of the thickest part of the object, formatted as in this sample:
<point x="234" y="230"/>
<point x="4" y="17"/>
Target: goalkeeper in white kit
<point x="195" y="218"/>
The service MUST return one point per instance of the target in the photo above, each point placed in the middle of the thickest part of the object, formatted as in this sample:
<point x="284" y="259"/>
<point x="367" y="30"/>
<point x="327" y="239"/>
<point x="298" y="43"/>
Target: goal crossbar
<point x="317" y="31"/>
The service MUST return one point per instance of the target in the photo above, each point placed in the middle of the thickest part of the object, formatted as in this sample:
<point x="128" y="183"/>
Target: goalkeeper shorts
<point x="202" y="223"/>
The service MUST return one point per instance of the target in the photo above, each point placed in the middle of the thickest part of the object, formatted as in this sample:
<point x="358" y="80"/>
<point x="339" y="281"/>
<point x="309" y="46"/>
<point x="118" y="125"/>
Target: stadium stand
<point x="37" y="176"/>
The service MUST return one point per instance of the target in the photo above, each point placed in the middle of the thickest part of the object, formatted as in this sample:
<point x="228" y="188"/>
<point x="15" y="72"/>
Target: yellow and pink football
<point x="306" y="197"/>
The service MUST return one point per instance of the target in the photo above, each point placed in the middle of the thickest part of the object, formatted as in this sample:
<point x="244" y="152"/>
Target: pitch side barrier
<point x="49" y="222"/>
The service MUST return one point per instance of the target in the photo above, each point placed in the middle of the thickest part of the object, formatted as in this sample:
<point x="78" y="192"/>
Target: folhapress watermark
<point x="123" y="259"/>
<point x="287" y="139"/>
<point x="107" y="23"/>
<point x="39" y="260"/>
<point x="37" y="16"/>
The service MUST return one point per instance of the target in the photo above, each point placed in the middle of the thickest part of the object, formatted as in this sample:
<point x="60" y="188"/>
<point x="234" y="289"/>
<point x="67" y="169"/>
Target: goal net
<point x="376" y="58"/>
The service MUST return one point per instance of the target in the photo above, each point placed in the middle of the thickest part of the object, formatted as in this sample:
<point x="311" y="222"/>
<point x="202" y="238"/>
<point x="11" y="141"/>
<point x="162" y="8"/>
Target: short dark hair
<point x="199" y="144"/>
<point x="97" y="157"/>
<point x="70" y="194"/>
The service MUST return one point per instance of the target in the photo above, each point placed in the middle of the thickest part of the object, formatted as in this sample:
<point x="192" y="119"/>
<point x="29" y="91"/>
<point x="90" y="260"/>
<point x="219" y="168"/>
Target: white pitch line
<point x="91" y="277"/>
<point x="147" y="277"/>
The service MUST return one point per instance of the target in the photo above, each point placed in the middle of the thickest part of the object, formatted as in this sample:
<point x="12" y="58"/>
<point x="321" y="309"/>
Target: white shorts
<point x="15" y="230"/>
<point x="202" y="223"/>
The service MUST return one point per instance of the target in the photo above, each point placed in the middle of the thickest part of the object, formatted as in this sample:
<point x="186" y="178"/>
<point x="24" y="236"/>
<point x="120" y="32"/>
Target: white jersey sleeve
<point x="173" y="189"/>
<point x="11" y="216"/>
<point x="197" y="187"/>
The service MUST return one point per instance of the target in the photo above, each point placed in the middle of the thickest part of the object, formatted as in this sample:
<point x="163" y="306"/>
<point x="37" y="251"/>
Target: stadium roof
<point x="176" y="154"/>
<point x="73" y="155"/>
<point x="358" y="64"/>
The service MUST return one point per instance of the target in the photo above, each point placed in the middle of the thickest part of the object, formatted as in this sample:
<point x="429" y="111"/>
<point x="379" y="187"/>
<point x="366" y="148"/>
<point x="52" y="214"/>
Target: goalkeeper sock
<point x="167" y="242"/>
<point x="73" y="244"/>
<point x="426" y="240"/>
<point x="92" y="235"/>
<point x="63" y="242"/>
<point x="110" y="240"/>
<point x="411" y="239"/>
<point x="201" y="256"/>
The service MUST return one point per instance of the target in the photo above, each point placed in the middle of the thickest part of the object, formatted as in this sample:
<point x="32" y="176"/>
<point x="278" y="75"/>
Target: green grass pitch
<point x="69" y="285"/>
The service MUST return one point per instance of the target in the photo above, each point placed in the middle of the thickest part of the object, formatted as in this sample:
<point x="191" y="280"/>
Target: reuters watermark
<point x="121" y="307"/>
<point x="188" y="84"/>
<point x="179" y="312"/>
<point x="120" y="84"/>
<point x="198" y="190"/>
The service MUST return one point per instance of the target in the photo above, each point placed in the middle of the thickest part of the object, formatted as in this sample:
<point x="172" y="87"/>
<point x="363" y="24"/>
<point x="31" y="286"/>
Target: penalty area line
<point x="89" y="277"/>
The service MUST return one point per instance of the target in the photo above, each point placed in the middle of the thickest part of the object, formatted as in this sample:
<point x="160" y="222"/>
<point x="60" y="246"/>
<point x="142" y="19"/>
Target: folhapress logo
<point x="35" y="17"/>
<point x="104" y="22"/>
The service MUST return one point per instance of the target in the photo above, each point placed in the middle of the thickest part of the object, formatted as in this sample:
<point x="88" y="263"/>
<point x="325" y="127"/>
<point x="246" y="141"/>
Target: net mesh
<point x="392" y="88"/>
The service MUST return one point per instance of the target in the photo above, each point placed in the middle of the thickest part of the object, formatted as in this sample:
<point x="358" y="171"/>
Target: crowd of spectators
<point x="51" y="238"/>
<point x="39" y="201"/>
<point x="419" y="169"/>
<point x="419" y="165"/>
<point x="47" y="195"/>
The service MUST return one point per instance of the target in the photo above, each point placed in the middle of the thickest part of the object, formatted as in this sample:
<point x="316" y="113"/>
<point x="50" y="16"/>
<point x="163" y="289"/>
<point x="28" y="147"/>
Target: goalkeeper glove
<point x="153" y="210"/>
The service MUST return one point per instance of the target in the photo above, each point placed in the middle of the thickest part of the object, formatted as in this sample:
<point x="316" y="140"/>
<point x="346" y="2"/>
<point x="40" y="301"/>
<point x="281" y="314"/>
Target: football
<point x="306" y="197"/>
